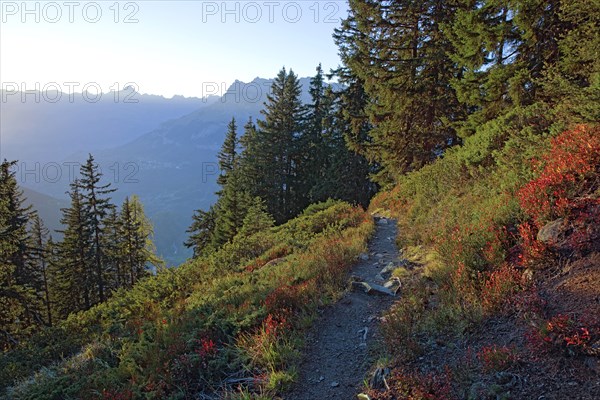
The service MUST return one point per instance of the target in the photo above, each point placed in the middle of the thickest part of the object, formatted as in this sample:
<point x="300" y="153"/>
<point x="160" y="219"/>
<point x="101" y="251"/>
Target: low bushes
<point x="210" y="325"/>
<point x="478" y="215"/>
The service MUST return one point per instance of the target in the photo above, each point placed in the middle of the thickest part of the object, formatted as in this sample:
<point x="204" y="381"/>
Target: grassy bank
<point x="229" y="323"/>
<point x="495" y="231"/>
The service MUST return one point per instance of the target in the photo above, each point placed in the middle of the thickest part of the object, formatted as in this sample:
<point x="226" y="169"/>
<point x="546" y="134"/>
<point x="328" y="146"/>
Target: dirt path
<point x="336" y="359"/>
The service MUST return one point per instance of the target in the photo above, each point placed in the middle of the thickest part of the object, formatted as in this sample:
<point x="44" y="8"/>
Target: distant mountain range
<point x="172" y="166"/>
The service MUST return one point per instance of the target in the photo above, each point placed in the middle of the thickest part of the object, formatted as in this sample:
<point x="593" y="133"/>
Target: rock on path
<point x="336" y="359"/>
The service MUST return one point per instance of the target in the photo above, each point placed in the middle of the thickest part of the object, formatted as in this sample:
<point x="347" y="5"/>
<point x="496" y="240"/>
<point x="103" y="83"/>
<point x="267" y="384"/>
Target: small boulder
<point x="364" y="286"/>
<point x="378" y="289"/>
<point x="386" y="272"/>
<point x="552" y="233"/>
<point x="364" y="256"/>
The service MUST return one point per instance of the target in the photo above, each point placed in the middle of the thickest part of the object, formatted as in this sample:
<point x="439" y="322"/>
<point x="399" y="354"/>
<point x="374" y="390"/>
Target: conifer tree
<point x="315" y="150"/>
<point x="73" y="284"/>
<point x="112" y="243"/>
<point x="19" y="305"/>
<point x="398" y="51"/>
<point x="252" y="162"/>
<point x="231" y="209"/>
<point x="277" y="148"/>
<point x="257" y="218"/>
<point x="15" y="220"/>
<point x="39" y="247"/>
<point x="201" y="231"/>
<point x="97" y="206"/>
<point x="228" y="154"/>
<point x="346" y="174"/>
<point x="233" y="198"/>
<point x="138" y="250"/>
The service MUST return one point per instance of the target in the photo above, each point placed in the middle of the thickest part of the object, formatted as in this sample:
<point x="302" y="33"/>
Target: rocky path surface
<point x="339" y="353"/>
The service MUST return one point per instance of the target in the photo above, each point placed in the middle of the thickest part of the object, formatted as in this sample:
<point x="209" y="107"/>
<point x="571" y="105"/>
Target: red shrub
<point x="564" y="333"/>
<point x="411" y="386"/>
<point x="500" y="286"/>
<point x="274" y="325"/>
<point x="531" y="250"/>
<point x="566" y="172"/>
<point x="497" y="358"/>
<point x="288" y="298"/>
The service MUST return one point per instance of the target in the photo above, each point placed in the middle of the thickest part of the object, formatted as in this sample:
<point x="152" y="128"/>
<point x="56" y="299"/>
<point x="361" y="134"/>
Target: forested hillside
<point x="477" y="124"/>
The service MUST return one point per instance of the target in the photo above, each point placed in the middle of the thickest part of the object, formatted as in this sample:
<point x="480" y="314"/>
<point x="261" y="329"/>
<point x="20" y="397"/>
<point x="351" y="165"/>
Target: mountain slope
<point x="173" y="168"/>
<point x="34" y="129"/>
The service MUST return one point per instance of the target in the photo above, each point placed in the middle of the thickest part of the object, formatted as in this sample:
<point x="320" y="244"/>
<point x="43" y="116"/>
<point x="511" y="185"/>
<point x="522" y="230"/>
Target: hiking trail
<point x="339" y="353"/>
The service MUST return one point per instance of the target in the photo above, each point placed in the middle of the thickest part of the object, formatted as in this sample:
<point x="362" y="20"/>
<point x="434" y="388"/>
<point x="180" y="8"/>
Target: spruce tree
<point x="233" y="198"/>
<point x="277" y="149"/>
<point x="228" y="154"/>
<point x="201" y="231"/>
<point x="252" y="161"/>
<point x="231" y="209"/>
<point x="316" y="152"/>
<point x="97" y="206"/>
<point x="346" y="174"/>
<point x="39" y="248"/>
<point x="398" y="51"/>
<point x="137" y="248"/>
<point x="73" y="284"/>
<point x="112" y="243"/>
<point x="20" y="308"/>
<point x="257" y="218"/>
<point x="15" y="220"/>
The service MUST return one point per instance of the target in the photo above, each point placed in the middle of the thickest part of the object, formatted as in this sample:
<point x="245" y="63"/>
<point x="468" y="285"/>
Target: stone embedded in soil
<point x="552" y="232"/>
<point x="364" y="286"/>
<point x="334" y="384"/>
<point x="364" y="256"/>
<point x="371" y="288"/>
<point x="389" y="268"/>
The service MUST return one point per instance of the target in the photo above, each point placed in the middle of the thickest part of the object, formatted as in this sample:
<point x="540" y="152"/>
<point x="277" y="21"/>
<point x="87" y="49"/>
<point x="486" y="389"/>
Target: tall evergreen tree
<point x="39" y="238"/>
<point x="346" y="174"/>
<point x="276" y="150"/>
<point x="112" y="243"/>
<point x="231" y="209"/>
<point x="97" y="206"/>
<point x="228" y="154"/>
<point x="138" y="251"/>
<point x="73" y="285"/>
<point x="314" y="148"/>
<point x="252" y="162"/>
<point x="233" y="197"/>
<point x="15" y="221"/>
<point x="397" y="50"/>
<point x="19" y="306"/>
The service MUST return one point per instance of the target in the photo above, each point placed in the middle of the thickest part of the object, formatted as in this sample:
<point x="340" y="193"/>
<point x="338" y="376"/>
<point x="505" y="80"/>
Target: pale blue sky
<point x="168" y="47"/>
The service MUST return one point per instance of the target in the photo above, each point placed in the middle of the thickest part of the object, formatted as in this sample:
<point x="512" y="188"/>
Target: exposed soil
<point x="337" y="357"/>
